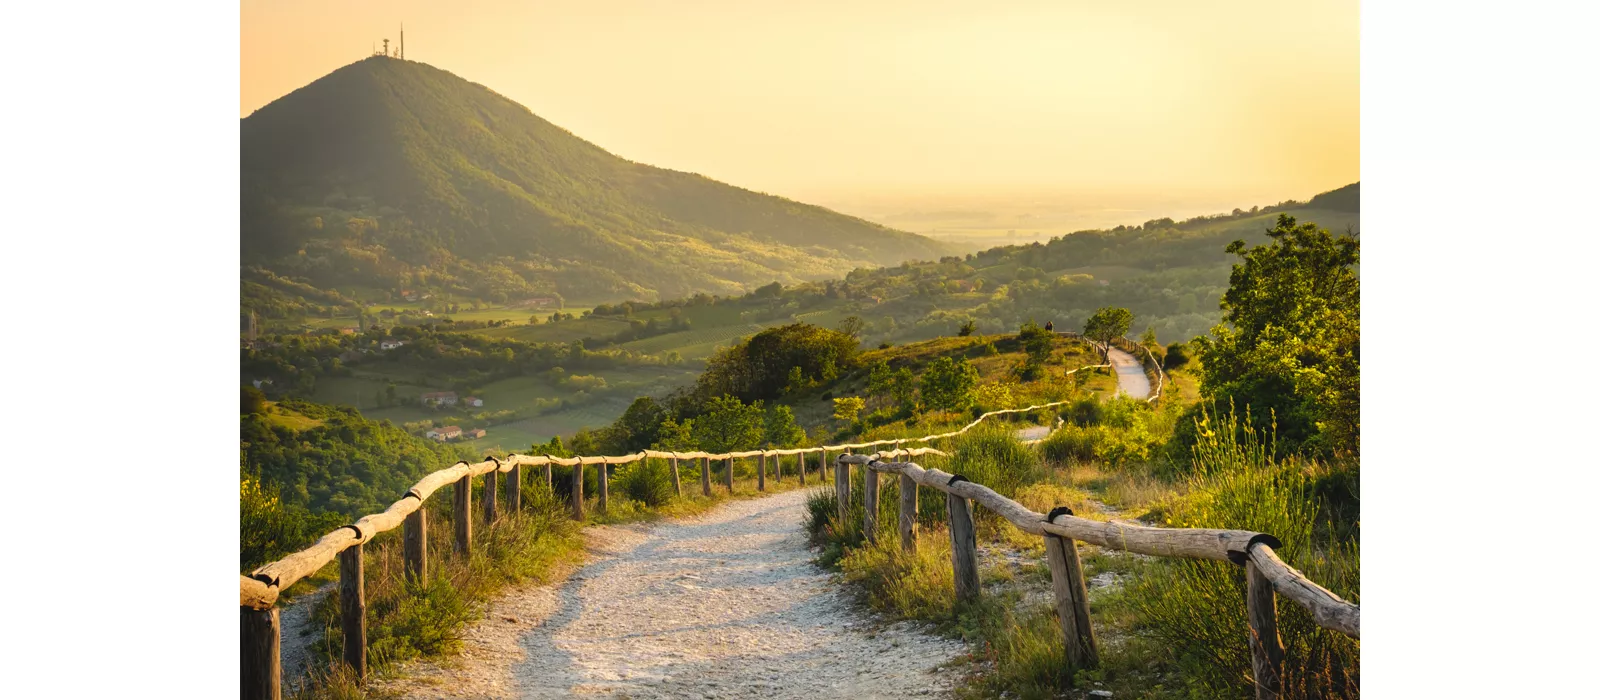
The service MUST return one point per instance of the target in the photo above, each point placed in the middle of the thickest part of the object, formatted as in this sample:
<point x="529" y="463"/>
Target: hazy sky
<point x="1240" y="101"/>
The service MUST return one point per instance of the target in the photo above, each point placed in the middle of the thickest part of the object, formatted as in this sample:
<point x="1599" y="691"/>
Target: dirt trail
<point x="1131" y="379"/>
<point x="724" y="605"/>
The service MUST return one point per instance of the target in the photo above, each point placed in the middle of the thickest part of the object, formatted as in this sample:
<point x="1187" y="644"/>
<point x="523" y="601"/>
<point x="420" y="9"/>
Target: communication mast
<point x="402" y="41"/>
<point x="386" y="47"/>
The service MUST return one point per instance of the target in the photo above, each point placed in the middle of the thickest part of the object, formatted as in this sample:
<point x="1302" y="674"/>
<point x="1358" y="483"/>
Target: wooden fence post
<point x="729" y="462"/>
<point x="1072" y="596"/>
<point x="761" y="474"/>
<point x="353" y="610"/>
<point x="822" y="466"/>
<point x="463" y="515"/>
<point x="1266" y="649"/>
<point x="491" y="496"/>
<point x="908" y="514"/>
<point x="415" y="534"/>
<point x="549" y="476"/>
<point x="841" y="490"/>
<point x="605" y="487"/>
<point x="777" y="467"/>
<point x="677" y="486"/>
<point x="705" y="476"/>
<point x="260" y="664"/>
<point x="514" y="489"/>
<point x="869" y="480"/>
<point x="800" y="466"/>
<point x="577" y="490"/>
<point x="963" y="546"/>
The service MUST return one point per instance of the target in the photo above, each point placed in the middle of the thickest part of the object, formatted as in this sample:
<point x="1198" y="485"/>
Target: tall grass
<point x="1196" y="608"/>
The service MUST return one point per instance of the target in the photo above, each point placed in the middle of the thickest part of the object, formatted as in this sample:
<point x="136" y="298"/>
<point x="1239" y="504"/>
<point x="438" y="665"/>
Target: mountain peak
<point x="392" y="170"/>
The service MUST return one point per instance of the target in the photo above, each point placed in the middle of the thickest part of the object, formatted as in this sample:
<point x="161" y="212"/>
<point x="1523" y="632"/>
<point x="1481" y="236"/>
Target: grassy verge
<point x="1166" y="628"/>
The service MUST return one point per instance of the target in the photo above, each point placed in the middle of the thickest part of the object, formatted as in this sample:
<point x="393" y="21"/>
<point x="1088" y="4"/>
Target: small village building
<point x="473" y="401"/>
<point x="475" y="433"/>
<point x="440" y="398"/>
<point x="444" y="433"/>
<point x="390" y="344"/>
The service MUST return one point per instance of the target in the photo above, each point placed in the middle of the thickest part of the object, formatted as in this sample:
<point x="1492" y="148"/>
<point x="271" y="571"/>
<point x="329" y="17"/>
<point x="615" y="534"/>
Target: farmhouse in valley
<point x="473" y="401"/>
<point x="445" y="433"/>
<point x="475" y="433"/>
<point x="390" y="344"/>
<point x="439" y="398"/>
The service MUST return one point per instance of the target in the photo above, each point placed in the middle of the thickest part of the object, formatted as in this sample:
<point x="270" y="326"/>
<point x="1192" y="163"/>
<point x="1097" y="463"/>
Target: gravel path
<point x="726" y="605"/>
<point x="1131" y="379"/>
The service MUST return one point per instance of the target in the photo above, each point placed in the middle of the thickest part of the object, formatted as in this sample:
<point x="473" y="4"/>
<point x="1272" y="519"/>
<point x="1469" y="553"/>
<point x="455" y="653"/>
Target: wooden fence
<point x="1266" y="575"/>
<point x="260" y="662"/>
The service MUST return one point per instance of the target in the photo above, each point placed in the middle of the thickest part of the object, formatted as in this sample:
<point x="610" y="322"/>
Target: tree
<point x="852" y="326"/>
<point x="968" y="327"/>
<point x="879" y="379"/>
<point x="1107" y="324"/>
<point x="903" y="387"/>
<point x="636" y="429"/>
<point x="948" y="384"/>
<point x="675" y="436"/>
<point x="1037" y="343"/>
<point x="729" y="424"/>
<point x="1290" y="345"/>
<point x="251" y="400"/>
<point x="846" y="408"/>
<point x="781" y="428"/>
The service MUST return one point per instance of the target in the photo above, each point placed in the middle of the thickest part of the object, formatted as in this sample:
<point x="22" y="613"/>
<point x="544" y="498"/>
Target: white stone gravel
<point x="726" y="605"/>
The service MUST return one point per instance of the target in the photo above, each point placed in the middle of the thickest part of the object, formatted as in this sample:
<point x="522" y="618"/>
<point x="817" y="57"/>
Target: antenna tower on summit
<point x="402" y="40"/>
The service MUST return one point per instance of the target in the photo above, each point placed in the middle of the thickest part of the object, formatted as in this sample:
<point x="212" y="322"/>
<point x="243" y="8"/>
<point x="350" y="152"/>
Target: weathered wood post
<point x="729" y="462"/>
<point x="1266" y="649"/>
<point x="491" y="494"/>
<point x="761" y="473"/>
<point x="260" y="663"/>
<point x="605" y="489"/>
<point x="514" y="489"/>
<point x="677" y="486"/>
<point x="841" y="489"/>
<point x="577" y="490"/>
<point x="549" y="475"/>
<point x="800" y="466"/>
<point x="415" y="535"/>
<point x="822" y="466"/>
<point x="705" y="476"/>
<point x="777" y="467"/>
<point x="869" y="492"/>
<point x="963" y="544"/>
<point x="908" y="514"/>
<point x="463" y="515"/>
<point x="353" y="610"/>
<point x="1072" y="596"/>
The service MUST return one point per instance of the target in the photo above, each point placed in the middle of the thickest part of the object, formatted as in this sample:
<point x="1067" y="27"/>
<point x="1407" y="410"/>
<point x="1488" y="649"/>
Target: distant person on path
<point x="1050" y="326"/>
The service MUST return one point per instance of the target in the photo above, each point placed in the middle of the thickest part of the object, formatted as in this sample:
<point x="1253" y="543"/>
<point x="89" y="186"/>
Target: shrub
<point x="646" y="481"/>
<point x="1177" y="356"/>
<point x="1196" y="607"/>
<point x="1072" y="443"/>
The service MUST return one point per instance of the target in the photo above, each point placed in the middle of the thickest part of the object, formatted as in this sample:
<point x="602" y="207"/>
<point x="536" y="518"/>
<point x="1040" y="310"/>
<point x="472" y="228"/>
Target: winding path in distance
<point x="1131" y="379"/>
<point x="725" y="605"/>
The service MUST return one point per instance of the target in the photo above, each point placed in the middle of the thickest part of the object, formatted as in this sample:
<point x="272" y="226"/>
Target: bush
<point x="1177" y="356"/>
<point x="1083" y="412"/>
<point x="646" y="481"/>
<point x="1196" y="608"/>
<point x="1072" y="443"/>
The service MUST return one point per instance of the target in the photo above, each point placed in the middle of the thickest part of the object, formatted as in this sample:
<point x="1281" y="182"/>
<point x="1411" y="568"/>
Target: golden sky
<point x="1245" y="101"/>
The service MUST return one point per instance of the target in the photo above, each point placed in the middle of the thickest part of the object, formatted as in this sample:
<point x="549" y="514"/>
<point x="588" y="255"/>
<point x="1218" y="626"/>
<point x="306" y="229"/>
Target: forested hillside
<point x="390" y="175"/>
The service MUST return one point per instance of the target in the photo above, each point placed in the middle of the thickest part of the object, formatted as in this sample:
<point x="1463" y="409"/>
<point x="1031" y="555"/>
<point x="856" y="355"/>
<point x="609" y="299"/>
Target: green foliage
<point x="1291" y="349"/>
<point x="1108" y="323"/>
<point x="948" y="384"/>
<point x="846" y="408"/>
<point x="728" y="425"/>
<point x="968" y="327"/>
<point x="780" y="428"/>
<point x="345" y="464"/>
<point x="1193" y="607"/>
<point x="763" y="367"/>
<point x="270" y="529"/>
<point x="648" y="481"/>
<point x="251" y="400"/>
<point x="1176" y="357"/>
<point x="638" y="427"/>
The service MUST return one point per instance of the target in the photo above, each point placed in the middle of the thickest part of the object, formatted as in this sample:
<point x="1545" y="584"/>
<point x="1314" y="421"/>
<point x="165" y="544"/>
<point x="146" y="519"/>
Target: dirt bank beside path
<point x="725" y="605"/>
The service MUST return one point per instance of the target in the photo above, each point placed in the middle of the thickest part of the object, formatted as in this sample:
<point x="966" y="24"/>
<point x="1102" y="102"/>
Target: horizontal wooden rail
<point x="1237" y="546"/>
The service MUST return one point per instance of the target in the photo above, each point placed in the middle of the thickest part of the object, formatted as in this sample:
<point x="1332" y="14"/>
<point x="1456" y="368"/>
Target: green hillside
<point x="390" y="175"/>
